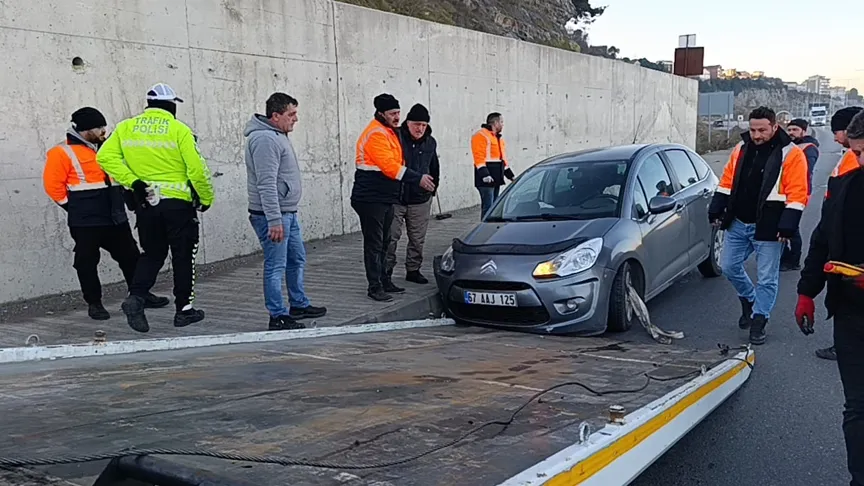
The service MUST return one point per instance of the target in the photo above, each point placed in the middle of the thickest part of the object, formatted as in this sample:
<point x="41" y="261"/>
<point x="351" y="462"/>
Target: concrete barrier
<point x="226" y="56"/>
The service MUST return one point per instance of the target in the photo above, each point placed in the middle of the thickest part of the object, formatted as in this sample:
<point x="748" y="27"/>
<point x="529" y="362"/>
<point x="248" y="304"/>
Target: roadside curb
<point x="424" y="307"/>
<point x="87" y="350"/>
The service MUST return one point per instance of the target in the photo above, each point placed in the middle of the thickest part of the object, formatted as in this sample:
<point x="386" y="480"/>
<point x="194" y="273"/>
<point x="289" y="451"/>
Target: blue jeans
<point x="282" y="261"/>
<point x="738" y="245"/>
<point x="488" y="195"/>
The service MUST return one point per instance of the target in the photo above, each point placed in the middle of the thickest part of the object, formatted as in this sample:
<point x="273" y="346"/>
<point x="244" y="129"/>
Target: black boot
<point x="133" y="307"/>
<point x="391" y="288"/>
<point x="757" y="330"/>
<point x="155" y="302"/>
<point x="186" y="317"/>
<point x="377" y="294"/>
<point x="284" y="323"/>
<point x="98" y="312"/>
<point x="789" y="266"/>
<point x="827" y="353"/>
<point x="746" y="313"/>
<point x="416" y="277"/>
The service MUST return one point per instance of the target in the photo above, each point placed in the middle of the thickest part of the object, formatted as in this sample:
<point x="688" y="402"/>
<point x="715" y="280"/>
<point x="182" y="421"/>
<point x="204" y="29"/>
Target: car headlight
<point x="448" y="263"/>
<point x="571" y="261"/>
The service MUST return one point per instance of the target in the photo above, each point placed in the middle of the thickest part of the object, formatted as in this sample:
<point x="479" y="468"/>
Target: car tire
<point x="619" y="319"/>
<point x="710" y="267"/>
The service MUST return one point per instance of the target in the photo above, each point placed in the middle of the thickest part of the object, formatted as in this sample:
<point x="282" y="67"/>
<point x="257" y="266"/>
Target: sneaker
<point x="391" y="288"/>
<point x="828" y="353"/>
<point x="309" y="312"/>
<point x="746" y="312"/>
<point x="186" y="317"/>
<point x="789" y="267"/>
<point x="133" y="307"/>
<point x="757" y="330"/>
<point x="416" y="277"/>
<point x="284" y="323"/>
<point x="98" y="312"/>
<point x="155" y="302"/>
<point x="379" y="295"/>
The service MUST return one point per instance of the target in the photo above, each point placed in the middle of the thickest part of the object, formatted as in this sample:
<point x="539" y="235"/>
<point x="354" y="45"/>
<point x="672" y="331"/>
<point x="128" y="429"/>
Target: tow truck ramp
<point x="385" y="405"/>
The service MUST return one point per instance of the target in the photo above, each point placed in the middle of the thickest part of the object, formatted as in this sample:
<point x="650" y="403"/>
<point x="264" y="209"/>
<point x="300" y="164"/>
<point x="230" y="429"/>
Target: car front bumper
<point x="541" y="305"/>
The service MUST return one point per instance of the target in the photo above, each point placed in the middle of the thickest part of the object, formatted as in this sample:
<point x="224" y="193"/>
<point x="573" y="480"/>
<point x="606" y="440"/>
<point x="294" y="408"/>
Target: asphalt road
<point x="783" y="427"/>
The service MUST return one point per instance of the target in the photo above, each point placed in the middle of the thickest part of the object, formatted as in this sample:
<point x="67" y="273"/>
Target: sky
<point x="788" y="39"/>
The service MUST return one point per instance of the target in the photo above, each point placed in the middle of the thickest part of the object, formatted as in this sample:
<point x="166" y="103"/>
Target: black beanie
<point x="386" y="102"/>
<point x="798" y="122"/>
<point x="87" y="118"/>
<point x="418" y="113"/>
<point x="842" y="117"/>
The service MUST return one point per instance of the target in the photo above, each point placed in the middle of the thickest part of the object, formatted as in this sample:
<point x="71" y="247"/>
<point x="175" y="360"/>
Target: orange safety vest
<point x="379" y="150"/>
<point x="486" y="147"/>
<point x="847" y="163"/>
<point x="72" y="168"/>
<point x="791" y="185"/>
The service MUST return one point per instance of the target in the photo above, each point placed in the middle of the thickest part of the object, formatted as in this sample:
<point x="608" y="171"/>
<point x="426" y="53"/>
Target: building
<point x="714" y="72"/>
<point x="818" y="85"/>
<point x="837" y="92"/>
<point x="667" y="65"/>
<point x="730" y="73"/>
<point x="758" y="74"/>
<point x="744" y="75"/>
<point x="792" y="86"/>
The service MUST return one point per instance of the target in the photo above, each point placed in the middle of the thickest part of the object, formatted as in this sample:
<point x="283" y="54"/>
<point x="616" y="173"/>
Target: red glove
<point x="805" y="314"/>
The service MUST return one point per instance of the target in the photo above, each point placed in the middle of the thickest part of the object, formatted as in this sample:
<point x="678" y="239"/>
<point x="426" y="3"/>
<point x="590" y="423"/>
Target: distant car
<point x="719" y="124"/>
<point x="555" y="252"/>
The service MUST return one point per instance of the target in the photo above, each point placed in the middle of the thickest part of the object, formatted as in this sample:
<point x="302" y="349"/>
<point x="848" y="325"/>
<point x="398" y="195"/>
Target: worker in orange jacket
<point x="759" y="202"/>
<point x="94" y="204"/>
<point x="490" y="161"/>
<point x="378" y="180"/>
<point x="839" y="238"/>
<point x="848" y="162"/>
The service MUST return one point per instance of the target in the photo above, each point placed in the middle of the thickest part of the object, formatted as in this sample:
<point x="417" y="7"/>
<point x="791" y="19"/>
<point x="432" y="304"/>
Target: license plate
<point x="490" y="298"/>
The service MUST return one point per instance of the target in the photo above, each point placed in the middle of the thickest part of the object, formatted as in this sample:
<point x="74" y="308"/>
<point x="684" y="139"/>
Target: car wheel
<point x="711" y="268"/>
<point x="620" y="314"/>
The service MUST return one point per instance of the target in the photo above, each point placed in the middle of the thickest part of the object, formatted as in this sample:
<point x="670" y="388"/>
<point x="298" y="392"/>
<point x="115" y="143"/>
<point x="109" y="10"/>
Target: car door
<point x="696" y="197"/>
<point x="664" y="236"/>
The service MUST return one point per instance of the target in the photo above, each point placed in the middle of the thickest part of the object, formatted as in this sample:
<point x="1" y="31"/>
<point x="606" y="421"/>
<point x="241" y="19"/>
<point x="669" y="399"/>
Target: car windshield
<point x="583" y="190"/>
<point x="818" y="113"/>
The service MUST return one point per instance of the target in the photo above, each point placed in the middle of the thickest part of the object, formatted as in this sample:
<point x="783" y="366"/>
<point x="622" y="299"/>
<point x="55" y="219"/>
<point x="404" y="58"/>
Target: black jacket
<point x="826" y="243"/>
<point x="773" y="217"/>
<point x="812" y="154"/>
<point x="98" y="207"/>
<point x="420" y="156"/>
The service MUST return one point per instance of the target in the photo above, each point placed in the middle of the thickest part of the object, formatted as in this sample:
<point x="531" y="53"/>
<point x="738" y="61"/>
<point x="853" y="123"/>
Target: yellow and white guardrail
<point x="618" y="453"/>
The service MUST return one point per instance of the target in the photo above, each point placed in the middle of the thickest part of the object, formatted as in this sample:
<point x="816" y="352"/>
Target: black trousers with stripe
<point x="170" y="225"/>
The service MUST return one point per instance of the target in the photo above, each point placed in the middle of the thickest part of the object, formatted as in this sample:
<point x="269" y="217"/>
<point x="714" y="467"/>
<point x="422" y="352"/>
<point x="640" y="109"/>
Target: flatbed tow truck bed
<point x="375" y="397"/>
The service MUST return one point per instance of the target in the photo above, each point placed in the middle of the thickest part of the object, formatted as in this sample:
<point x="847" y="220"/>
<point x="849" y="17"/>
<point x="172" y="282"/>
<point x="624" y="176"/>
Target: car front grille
<point x="490" y="285"/>
<point x="511" y="316"/>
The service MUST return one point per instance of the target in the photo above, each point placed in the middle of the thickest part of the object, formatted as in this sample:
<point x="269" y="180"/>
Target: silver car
<point x="556" y="250"/>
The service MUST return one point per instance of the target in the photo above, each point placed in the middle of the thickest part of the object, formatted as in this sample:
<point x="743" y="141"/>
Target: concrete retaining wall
<point x="226" y="56"/>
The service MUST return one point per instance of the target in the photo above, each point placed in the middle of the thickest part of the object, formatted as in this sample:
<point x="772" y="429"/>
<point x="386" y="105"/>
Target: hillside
<point x="538" y="21"/>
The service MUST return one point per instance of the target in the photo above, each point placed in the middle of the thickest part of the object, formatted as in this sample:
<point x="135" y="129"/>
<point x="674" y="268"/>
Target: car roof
<point x="617" y="152"/>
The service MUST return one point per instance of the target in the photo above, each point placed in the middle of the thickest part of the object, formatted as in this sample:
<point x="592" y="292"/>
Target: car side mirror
<point x="661" y="204"/>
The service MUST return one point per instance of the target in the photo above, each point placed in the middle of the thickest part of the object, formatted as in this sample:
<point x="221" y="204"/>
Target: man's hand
<point x="277" y="234"/>
<point x="715" y="219"/>
<point x="488" y="180"/>
<point x="508" y="173"/>
<point x="805" y="314"/>
<point x="427" y="183"/>
<point x="140" y="191"/>
<point x="783" y="239"/>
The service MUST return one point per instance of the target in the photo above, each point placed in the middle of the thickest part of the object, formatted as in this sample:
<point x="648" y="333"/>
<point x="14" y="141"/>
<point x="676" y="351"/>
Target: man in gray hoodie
<point x="274" y="184"/>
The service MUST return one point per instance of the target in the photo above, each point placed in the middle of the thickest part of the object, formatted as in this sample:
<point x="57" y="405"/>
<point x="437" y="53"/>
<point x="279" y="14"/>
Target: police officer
<point x="95" y="209"/>
<point x="839" y="237"/>
<point x="157" y="156"/>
